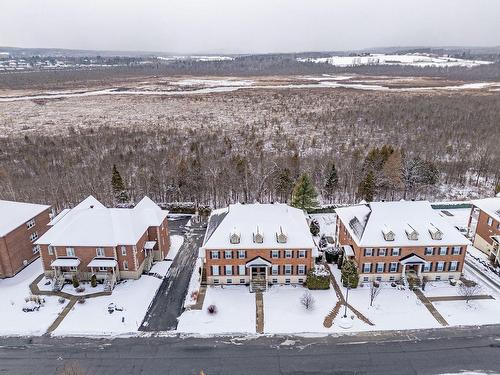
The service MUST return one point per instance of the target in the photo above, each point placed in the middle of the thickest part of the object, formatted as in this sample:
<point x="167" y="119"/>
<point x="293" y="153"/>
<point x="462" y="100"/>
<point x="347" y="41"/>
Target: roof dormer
<point x="388" y="233"/>
<point x="435" y="233"/>
<point x="235" y="236"/>
<point x="281" y="236"/>
<point x="258" y="237"/>
<point x="411" y="232"/>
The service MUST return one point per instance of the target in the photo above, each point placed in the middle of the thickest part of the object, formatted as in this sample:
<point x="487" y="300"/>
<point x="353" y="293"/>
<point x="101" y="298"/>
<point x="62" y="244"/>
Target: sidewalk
<point x="428" y="304"/>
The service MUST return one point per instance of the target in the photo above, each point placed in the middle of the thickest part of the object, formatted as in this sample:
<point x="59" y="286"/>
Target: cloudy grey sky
<point x="239" y="26"/>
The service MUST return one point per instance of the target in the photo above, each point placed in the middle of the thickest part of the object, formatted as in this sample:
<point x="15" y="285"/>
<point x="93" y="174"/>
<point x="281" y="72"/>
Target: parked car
<point x="31" y="306"/>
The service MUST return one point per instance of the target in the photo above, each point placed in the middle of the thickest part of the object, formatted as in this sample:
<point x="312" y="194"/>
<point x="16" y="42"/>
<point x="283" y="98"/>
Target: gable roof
<point x="269" y="218"/>
<point x="14" y="214"/>
<point x="491" y="206"/>
<point x="90" y="223"/>
<point x="372" y="219"/>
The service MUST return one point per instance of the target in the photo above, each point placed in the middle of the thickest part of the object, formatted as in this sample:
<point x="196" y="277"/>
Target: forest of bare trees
<point x="264" y="142"/>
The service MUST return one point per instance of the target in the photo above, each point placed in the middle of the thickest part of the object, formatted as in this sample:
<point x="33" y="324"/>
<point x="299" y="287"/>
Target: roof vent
<point x="411" y="233"/>
<point x="258" y="237"/>
<point x="281" y="236"/>
<point x="235" y="237"/>
<point x="92" y="206"/>
<point x="435" y="233"/>
<point x="389" y="235"/>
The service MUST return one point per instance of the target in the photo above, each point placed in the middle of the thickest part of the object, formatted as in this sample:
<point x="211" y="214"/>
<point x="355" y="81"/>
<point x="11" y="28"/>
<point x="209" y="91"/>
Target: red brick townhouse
<point x="390" y="241"/>
<point x="257" y="244"/>
<point x="111" y="243"/>
<point x="488" y="223"/>
<point x="20" y="226"/>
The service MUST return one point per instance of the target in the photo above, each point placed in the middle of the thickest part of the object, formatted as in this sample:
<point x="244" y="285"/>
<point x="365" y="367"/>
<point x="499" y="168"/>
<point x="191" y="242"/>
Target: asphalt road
<point x="440" y="351"/>
<point x="169" y="300"/>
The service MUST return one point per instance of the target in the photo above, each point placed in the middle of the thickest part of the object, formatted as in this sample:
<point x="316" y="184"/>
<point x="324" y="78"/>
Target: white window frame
<point x="215" y="270"/>
<point x="302" y="253"/>
<point x="427" y="267"/>
<point x="103" y="269"/>
<point x="440" y="266"/>
<point x="31" y="223"/>
<point x="70" y="251"/>
<point x="456" y="250"/>
<point x="275" y="254"/>
<point x="99" y="252"/>
<point x="50" y="250"/>
<point x="368" y="251"/>
<point x="242" y="270"/>
<point x="229" y="268"/>
<point x="443" y="249"/>
<point x="382" y="250"/>
<point x="490" y="221"/>
<point x="228" y="254"/>
<point x="124" y="250"/>
<point x="396" y="251"/>
<point x="241" y="254"/>
<point x="367" y="266"/>
<point x="453" y="266"/>
<point x="301" y="269"/>
<point x="429" y="251"/>
<point x="34" y="236"/>
<point x="36" y="249"/>
<point x="377" y="267"/>
<point x="275" y="270"/>
<point x="288" y="269"/>
<point x="393" y="269"/>
<point x="288" y="254"/>
<point x="215" y="254"/>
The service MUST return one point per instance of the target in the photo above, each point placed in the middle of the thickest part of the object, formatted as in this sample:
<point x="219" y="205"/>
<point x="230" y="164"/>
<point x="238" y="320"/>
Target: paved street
<point x="168" y="303"/>
<point x="446" y="350"/>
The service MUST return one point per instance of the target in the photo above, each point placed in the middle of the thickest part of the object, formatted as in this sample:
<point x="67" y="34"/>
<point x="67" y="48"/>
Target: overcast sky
<point x="237" y="26"/>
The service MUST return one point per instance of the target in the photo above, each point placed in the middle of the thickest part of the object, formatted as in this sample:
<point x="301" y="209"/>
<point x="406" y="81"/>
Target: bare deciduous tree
<point x="468" y="290"/>
<point x="307" y="300"/>
<point x="374" y="291"/>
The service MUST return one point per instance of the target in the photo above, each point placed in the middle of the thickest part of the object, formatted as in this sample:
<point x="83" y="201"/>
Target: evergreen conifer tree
<point x="367" y="187"/>
<point x="304" y="194"/>
<point x="349" y="274"/>
<point x="332" y="182"/>
<point x="119" y="193"/>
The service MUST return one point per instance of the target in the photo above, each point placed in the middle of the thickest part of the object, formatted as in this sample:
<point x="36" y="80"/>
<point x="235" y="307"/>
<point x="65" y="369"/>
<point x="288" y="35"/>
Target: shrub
<point x="75" y="282"/>
<point x="212" y="309"/>
<point x="314" y="227"/>
<point x="349" y="274"/>
<point x="61" y="300"/>
<point x="93" y="281"/>
<point x="314" y="282"/>
<point x="80" y="289"/>
<point x="81" y="300"/>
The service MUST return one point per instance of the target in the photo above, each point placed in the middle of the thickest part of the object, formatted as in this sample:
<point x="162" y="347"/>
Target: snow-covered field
<point x="13" y="321"/>
<point x="235" y="312"/>
<point x="413" y="59"/>
<point x="283" y="312"/>
<point x="476" y="312"/>
<point x="93" y="318"/>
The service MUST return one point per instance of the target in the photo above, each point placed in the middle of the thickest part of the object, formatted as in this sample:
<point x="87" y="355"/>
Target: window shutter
<point x="364" y="252"/>
<point x="305" y="252"/>
<point x="458" y="266"/>
<point x="271" y="254"/>
<point x="209" y="254"/>
<point x="279" y="254"/>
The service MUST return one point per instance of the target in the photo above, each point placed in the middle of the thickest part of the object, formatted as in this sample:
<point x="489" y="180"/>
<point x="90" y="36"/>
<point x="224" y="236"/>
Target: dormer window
<point x="411" y="233"/>
<point x="235" y="237"/>
<point x="389" y="235"/>
<point x="258" y="237"/>
<point x="281" y="236"/>
<point x="435" y="233"/>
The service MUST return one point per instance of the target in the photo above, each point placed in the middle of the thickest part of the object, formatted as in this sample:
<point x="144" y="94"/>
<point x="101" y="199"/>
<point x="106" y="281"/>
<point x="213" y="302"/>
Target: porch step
<point x="258" y="286"/>
<point x="58" y="284"/>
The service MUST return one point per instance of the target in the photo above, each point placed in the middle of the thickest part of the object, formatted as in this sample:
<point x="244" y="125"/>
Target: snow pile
<point x="213" y="82"/>
<point x="194" y="285"/>
<point x="320" y="270"/>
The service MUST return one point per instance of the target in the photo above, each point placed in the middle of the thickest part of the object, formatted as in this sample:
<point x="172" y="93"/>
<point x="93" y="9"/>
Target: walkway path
<point x="428" y="304"/>
<point x="459" y="298"/>
<point x="61" y="316"/>
<point x="259" y="312"/>
<point x="200" y="299"/>
<point x="341" y="299"/>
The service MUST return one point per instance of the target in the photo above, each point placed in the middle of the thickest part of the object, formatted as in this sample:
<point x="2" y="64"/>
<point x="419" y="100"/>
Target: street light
<point x="347" y="295"/>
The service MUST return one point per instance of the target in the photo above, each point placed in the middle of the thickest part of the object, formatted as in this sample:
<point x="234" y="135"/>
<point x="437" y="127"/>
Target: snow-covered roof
<point x="489" y="205"/>
<point x="90" y="223"/>
<point x="102" y="262"/>
<point x="65" y="262"/>
<point x="14" y="214"/>
<point x="149" y="245"/>
<point x="408" y="220"/>
<point x="59" y="216"/>
<point x="272" y="220"/>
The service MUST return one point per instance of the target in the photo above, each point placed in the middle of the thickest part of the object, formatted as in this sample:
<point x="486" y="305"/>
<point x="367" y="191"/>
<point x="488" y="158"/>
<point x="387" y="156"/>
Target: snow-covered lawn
<point x="235" y="312"/>
<point x="326" y="223"/>
<point x="93" y="318"/>
<point x="45" y="285"/>
<point x="475" y="312"/>
<point x="161" y="268"/>
<point x="283" y="312"/>
<point x="13" y="321"/>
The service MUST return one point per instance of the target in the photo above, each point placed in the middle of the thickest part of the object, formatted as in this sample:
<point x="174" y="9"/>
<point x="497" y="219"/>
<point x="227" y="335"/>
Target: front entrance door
<point x="258" y="273"/>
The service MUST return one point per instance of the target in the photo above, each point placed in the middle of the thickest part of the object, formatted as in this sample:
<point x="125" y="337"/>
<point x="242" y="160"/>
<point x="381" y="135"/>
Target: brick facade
<point x="484" y="232"/>
<point x="17" y="248"/>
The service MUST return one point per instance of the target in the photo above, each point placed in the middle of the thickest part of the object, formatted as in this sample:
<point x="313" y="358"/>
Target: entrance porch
<point x="259" y="271"/>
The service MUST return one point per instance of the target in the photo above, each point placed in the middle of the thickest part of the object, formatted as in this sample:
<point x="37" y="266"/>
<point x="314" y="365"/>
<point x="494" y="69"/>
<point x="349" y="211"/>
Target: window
<point x="33" y="236"/>
<point x="379" y="278"/>
<point x="125" y="265"/>
<point x="228" y="270"/>
<point x="301" y="269"/>
<point x="382" y="252"/>
<point x="215" y="270"/>
<point x="396" y="252"/>
<point x="393" y="267"/>
<point x="288" y="269"/>
<point x="429" y="251"/>
<point x="275" y="254"/>
<point x="242" y="270"/>
<point x="490" y="221"/>
<point x="368" y="252"/>
<point x="301" y="281"/>
<point x="241" y="254"/>
<point x="228" y="254"/>
<point x="124" y="250"/>
<point x="51" y="250"/>
<point x="229" y="281"/>
<point x="242" y="281"/>
<point x="427" y="266"/>
<point x="99" y="251"/>
<point x="134" y="248"/>
<point x="302" y="253"/>
<point x="70" y="252"/>
<point x="287" y="281"/>
<point x="457" y="250"/>
<point x="366" y="279"/>
<point x="443" y="250"/>
<point x="275" y="281"/>
<point x="453" y="266"/>
<point x="440" y="266"/>
<point x="31" y="223"/>
<point x="36" y="249"/>
<point x="288" y="253"/>
<point x="380" y="267"/>
<point x="438" y="278"/>
<point x="367" y="267"/>
<point x="274" y="270"/>
<point x="103" y="269"/>
<point x="72" y="269"/>
<point x="392" y="278"/>
<point x="215" y="254"/>
<point x="216" y="281"/>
